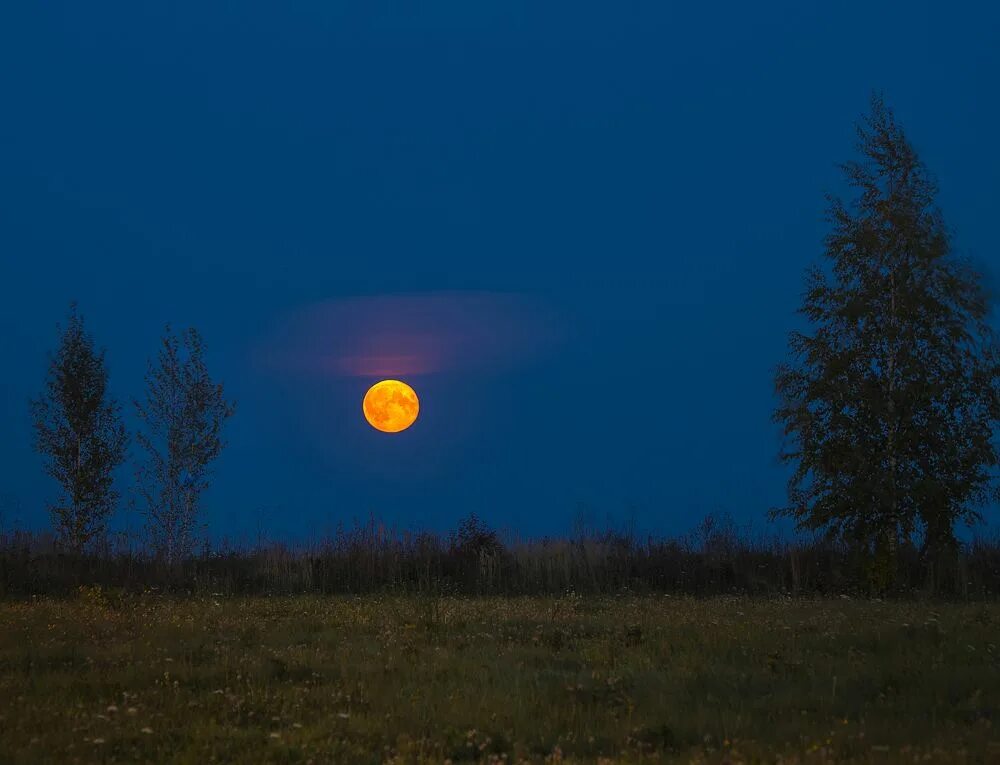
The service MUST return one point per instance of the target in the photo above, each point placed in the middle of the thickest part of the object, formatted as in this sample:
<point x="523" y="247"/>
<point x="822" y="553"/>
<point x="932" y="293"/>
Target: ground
<point x="572" y="679"/>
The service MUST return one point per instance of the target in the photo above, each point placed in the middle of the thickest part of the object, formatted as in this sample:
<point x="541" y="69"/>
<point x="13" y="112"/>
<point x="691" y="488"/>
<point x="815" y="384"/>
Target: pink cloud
<point x="412" y="334"/>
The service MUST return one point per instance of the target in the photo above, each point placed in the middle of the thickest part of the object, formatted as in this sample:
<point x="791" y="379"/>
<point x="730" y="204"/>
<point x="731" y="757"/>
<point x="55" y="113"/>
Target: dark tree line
<point x="80" y="433"/>
<point x="889" y="404"/>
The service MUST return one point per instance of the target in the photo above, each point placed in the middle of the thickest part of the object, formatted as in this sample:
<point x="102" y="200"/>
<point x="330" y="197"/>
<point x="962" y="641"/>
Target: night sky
<point x="579" y="231"/>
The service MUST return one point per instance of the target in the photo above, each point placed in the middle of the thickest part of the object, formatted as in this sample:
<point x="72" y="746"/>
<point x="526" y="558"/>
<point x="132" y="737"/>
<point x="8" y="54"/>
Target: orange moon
<point x="390" y="406"/>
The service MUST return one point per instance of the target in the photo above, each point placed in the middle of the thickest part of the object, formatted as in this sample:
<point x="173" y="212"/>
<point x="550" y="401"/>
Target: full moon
<point x="390" y="406"/>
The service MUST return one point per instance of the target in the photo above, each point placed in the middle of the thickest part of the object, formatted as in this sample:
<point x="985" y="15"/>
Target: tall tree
<point x="183" y="417"/>
<point x="79" y="431"/>
<point x="889" y="405"/>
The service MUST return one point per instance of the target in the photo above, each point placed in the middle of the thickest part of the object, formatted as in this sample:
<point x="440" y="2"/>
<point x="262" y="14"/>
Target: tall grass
<point x="717" y="558"/>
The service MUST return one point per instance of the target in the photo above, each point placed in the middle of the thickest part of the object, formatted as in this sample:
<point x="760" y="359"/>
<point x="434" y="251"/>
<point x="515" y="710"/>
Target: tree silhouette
<point x="78" y="429"/>
<point x="889" y="404"/>
<point x="183" y="417"/>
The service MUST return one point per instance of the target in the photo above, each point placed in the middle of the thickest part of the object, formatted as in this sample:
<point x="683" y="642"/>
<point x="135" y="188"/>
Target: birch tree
<point x="78" y="430"/>
<point x="889" y="404"/>
<point x="182" y="416"/>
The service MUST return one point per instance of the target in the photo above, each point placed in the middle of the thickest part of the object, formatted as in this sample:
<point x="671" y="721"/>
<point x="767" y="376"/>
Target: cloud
<point x="412" y="334"/>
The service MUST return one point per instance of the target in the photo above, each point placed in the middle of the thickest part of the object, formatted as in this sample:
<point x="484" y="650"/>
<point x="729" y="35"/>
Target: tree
<point x="79" y="431"/>
<point x="889" y="404"/>
<point x="183" y="417"/>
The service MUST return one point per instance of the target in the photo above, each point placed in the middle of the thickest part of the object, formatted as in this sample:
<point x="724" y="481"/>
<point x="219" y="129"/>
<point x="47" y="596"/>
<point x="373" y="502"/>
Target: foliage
<point x="79" y="431"/>
<point x="369" y="558"/>
<point x="569" y="679"/>
<point x="889" y="405"/>
<point x="183" y="417"/>
<point x="474" y="538"/>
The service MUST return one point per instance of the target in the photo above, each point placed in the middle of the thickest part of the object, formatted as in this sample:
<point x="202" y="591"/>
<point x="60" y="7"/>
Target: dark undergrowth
<point x="716" y="559"/>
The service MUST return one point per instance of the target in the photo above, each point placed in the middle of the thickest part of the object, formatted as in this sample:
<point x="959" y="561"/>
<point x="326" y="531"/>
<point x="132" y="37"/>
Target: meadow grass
<point x="374" y="679"/>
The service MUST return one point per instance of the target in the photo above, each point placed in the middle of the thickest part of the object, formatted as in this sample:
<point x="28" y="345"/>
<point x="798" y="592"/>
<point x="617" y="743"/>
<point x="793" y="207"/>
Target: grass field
<point x="385" y="679"/>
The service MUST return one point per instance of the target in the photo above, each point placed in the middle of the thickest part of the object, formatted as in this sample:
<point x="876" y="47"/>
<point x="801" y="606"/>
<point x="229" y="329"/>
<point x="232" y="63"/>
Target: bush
<point x="716" y="560"/>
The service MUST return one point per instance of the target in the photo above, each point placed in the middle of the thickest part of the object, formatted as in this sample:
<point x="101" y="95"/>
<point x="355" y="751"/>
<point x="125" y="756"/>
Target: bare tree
<point x="78" y="429"/>
<point x="183" y="417"/>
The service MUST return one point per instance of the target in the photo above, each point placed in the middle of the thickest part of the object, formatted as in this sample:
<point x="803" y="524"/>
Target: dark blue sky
<point x="648" y="176"/>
